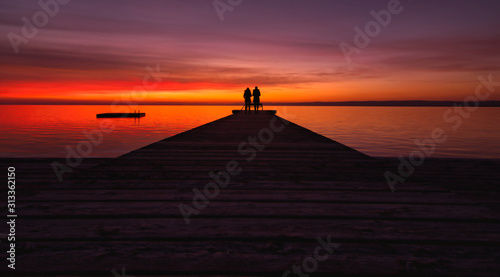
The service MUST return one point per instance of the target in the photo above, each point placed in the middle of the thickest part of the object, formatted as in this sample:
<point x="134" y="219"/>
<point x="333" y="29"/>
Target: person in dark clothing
<point x="256" y="98"/>
<point x="247" y="95"/>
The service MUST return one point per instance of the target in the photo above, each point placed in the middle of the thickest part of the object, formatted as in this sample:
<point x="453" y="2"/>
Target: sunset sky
<point x="97" y="51"/>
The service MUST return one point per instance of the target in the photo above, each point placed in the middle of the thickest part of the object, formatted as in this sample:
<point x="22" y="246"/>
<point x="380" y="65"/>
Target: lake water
<point x="48" y="131"/>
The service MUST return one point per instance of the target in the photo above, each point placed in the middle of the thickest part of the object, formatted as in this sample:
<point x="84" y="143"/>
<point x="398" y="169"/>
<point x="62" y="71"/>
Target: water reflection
<point x="46" y="131"/>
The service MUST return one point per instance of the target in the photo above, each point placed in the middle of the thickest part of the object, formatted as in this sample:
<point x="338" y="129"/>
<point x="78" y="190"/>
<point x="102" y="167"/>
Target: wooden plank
<point x="190" y="183"/>
<point x="331" y="196"/>
<point x="246" y="229"/>
<point x="164" y="209"/>
<point x="144" y="258"/>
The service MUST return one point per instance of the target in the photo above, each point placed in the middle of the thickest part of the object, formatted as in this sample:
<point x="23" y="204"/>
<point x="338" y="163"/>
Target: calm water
<point x="47" y="131"/>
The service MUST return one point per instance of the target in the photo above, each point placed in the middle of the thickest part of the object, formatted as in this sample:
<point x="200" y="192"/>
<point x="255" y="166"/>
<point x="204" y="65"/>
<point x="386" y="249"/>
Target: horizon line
<point x="423" y="103"/>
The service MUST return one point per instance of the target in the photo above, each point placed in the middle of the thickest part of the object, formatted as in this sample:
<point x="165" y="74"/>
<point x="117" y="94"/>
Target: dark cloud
<point x="457" y="54"/>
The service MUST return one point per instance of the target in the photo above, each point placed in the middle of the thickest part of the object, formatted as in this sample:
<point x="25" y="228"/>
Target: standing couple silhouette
<point x="256" y="99"/>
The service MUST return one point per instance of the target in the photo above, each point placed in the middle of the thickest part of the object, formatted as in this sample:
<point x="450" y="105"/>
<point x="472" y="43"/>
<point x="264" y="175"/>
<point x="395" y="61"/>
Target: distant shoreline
<point x="414" y="103"/>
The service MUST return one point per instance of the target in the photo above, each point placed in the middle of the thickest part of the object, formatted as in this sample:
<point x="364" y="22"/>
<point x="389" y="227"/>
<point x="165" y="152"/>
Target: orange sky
<point x="94" y="52"/>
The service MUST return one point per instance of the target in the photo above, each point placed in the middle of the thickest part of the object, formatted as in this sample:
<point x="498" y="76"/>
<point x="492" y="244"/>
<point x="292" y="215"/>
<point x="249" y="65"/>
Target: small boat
<point x="120" y="115"/>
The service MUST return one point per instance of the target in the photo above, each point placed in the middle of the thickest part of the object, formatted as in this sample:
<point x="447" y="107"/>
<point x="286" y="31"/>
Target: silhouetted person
<point x="248" y="101"/>
<point x="256" y="98"/>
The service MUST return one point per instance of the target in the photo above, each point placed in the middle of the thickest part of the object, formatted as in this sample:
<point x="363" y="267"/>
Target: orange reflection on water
<point x="392" y="131"/>
<point x="47" y="131"/>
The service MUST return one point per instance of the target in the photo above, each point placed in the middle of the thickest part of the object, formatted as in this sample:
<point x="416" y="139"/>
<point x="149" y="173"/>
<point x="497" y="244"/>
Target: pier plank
<point x="163" y="209"/>
<point x="248" y="194"/>
<point x="252" y="228"/>
<point x="262" y="258"/>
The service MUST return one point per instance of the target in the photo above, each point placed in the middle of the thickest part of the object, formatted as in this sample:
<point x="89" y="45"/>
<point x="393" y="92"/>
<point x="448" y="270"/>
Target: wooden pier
<point x="289" y="188"/>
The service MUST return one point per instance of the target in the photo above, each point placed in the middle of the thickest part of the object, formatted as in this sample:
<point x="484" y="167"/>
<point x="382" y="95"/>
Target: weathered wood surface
<point x="241" y="195"/>
<point x="123" y="212"/>
<point x="258" y="258"/>
<point x="161" y="209"/>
